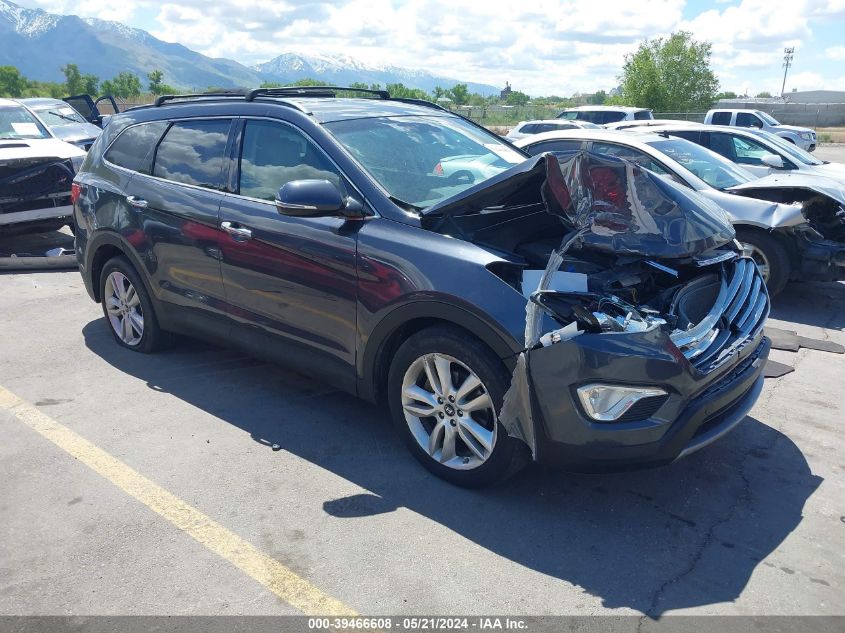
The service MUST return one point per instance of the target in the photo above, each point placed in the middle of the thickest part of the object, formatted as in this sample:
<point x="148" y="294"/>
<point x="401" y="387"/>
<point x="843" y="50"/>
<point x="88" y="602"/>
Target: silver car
<point x="62" y="121"/>
<point x="538" y="126"/>
<point x="761" y="153"/>
<point x="800" y="241"/>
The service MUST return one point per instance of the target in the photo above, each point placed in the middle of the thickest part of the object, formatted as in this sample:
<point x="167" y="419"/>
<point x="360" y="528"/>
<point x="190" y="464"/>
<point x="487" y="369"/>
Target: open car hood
<point x="830" y="187"/>
<point x="619" y="206"/>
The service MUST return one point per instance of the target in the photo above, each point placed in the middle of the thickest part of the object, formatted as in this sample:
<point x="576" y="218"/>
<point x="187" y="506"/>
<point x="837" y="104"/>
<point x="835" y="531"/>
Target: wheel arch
<point x="106" y="246"/>
<point x="409" y="319"/>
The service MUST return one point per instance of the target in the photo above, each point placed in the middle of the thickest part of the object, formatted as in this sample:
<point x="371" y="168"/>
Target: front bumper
<point x="36" y="215"/>
<point x="700" y="408"/>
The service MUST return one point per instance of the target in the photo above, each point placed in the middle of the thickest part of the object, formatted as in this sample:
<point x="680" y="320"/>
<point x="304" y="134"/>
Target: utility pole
<point x="788" y="54"/>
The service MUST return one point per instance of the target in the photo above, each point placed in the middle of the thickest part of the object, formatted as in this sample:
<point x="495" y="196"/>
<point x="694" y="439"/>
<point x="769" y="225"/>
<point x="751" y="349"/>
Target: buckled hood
<point x="621" y="207"/>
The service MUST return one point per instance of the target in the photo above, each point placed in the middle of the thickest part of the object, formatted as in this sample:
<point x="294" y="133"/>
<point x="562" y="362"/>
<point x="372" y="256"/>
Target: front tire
<point x="445" y="390"/>
<point x="128" y="308"/>
<point x="770" y="256"/>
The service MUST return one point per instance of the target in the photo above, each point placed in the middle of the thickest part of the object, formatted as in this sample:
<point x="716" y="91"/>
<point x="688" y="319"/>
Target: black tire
<point x="506" y="456"/>
<point x="780" y="267"/>
<point x="153" y="337"/>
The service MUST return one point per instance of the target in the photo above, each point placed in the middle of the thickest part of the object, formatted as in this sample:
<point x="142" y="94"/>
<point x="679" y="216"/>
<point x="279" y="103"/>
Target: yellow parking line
<point x="283" y="582"/>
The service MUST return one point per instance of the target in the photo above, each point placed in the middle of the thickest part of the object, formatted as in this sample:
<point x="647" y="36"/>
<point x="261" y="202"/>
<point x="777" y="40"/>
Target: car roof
<point x="698" y="127"/>
<point x="37" y="101"/>
<point x="8" y="102"/>
<point x="589" y="134"/>
<point x="555" y="121"/>
<point x="606" y="108"/>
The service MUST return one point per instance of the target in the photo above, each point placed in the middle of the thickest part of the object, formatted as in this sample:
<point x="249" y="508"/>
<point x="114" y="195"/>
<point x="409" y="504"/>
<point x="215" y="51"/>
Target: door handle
<point x="238" y="232"/>
<point x="138" y="203"/>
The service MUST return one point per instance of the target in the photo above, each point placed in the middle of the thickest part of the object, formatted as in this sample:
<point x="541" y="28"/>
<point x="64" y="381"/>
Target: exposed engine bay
<point x="598" y="245"/>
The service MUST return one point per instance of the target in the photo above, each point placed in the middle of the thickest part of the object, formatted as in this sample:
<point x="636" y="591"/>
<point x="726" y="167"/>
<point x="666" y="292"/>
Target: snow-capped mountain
<point x="342" y="70"/>
<point x="40" y="43"/>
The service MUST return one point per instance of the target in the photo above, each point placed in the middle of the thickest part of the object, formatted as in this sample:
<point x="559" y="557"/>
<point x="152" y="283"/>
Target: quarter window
<point x="273" y="154"/>
<point x="193" y="152"/>
<point x="133" y="149"/>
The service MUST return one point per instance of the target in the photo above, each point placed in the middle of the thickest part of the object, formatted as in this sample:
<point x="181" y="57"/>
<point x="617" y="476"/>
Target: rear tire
<point x="769" y="255"/>
<point x="458" y="437"/>
<point x="128" y="308"/>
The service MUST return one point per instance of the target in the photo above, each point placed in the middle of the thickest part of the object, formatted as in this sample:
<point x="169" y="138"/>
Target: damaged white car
<point x="36" y="173"/>
<point x="792" y="225"/>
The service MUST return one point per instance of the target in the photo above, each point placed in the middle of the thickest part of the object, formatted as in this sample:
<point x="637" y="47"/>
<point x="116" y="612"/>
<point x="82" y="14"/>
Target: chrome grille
<point x="736" y="318"/>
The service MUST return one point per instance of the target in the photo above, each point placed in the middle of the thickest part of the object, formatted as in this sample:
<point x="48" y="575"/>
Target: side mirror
<point x="311" y="198"/>
<point x="772" y="160"/>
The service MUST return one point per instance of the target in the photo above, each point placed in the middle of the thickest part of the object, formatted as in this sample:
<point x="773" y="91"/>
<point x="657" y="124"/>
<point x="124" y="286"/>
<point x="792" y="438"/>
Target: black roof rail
<point x="421" y="102"/>
<point x="310" y="91"/>
<point x="160" y="100"/>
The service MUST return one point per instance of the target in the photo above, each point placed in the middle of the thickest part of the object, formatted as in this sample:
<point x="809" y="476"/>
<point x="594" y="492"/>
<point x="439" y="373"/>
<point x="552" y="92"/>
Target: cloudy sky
<point x="539" y="46"/>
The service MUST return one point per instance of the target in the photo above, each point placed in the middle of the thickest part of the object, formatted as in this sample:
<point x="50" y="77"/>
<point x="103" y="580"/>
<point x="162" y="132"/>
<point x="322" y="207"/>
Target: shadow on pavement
<point x="812" y="303"/>
<point x="686" y="535"/>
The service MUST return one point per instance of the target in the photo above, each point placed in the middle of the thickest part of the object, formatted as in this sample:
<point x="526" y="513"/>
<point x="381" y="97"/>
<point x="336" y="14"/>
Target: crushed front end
<point x="644" y="323"/>
<point x="35" y="191"/>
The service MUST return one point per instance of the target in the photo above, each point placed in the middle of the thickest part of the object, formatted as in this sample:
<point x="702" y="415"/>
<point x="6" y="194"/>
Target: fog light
<point x="607" y="403"/>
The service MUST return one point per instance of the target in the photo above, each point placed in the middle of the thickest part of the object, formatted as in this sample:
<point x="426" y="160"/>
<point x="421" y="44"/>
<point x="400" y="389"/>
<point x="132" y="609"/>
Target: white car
<point x="761" y="153"/>
<point x="803" y="137"/>
<point x="643" y="123"/>
<point x="602" y="115"/>
<point x="36" y="173"/>
<point x="799" y="241"/>
<point x="63" y="121"/>
<point x="538" y="126"/>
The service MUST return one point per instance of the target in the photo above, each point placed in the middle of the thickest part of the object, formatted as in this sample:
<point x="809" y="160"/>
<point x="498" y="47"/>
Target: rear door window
<point x="722" y="144"/>
<point x="690" y="135"/>
<point x="643" y="115"/>
<point x="273" y="154"/>
<point x="528" y="128"/>
<point x="193" y="152"/>
<point x="721" y="118"/>
<point x="134" y="148"/>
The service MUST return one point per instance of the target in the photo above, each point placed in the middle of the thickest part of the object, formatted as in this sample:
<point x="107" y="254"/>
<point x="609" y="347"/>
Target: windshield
<point x="716" y="171"/>
<point x="420" y="160"/>
<point x="17" y="123"/>
<point x="793" y="151"/>
<point x="768" y="118"/>
<point x="58" y="115"/>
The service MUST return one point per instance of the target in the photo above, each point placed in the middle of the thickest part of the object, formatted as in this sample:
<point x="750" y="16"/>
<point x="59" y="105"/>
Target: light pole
<point x="788" y="54"/>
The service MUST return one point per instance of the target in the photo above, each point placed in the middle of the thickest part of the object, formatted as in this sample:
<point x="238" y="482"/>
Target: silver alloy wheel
<point x="449" y="411"/>
<point x="123" y="306"/>
<point x="759" y="257"/>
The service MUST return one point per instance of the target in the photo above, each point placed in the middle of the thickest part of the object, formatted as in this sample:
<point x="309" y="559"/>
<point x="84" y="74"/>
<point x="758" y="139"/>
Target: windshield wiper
<point x="63" y="116"/>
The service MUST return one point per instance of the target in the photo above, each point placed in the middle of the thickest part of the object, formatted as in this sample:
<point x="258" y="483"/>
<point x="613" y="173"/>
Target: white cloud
<point x="540" y="46"/>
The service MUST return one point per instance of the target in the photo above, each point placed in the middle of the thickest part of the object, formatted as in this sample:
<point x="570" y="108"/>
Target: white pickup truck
<point x="803" y="137"/>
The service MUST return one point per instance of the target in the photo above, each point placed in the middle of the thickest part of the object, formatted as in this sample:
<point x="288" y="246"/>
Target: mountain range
<point x="38" y="44"/>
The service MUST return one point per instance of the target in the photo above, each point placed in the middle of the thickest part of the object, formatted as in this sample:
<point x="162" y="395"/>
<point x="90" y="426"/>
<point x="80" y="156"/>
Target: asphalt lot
<point x="755" y="524"/>
<point x="834" y="152"/>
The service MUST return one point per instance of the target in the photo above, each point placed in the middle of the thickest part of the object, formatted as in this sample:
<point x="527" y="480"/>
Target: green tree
<point x="439" y="93"/>
<point x="459" y="94"/>
<point x="599" y="98"/>
<point x="670" y="75"/>
<point x="12" y="83"/>
<point x="764" y="95"/>
<point x="155" y="78"/>
<point x="73" y="79"/>
<point x="517" y="98"/>
<point x="125" y="86"/>
<point x="404" y="92"/>
<point x="729" y="94"/>
<point x="90" y="84"/>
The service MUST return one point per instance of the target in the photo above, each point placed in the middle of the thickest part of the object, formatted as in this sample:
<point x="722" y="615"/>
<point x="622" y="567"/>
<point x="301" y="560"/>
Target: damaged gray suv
<point x="582" y="313"/>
